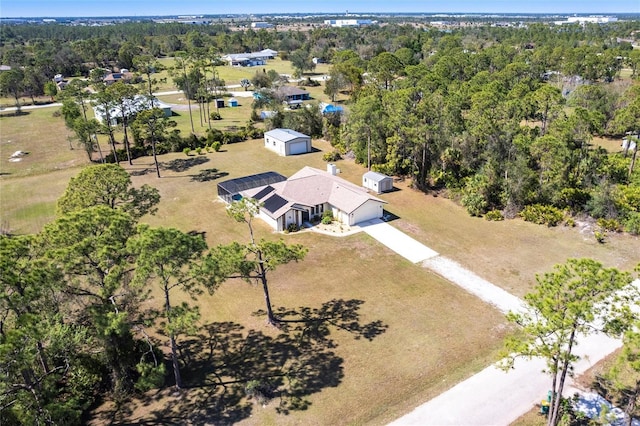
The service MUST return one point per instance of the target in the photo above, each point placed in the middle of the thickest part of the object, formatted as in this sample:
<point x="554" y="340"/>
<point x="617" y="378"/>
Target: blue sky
<point x="55" y="8"/>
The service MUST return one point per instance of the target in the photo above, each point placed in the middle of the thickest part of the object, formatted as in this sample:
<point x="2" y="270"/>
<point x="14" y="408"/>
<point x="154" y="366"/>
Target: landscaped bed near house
<point x="431" y="333"/>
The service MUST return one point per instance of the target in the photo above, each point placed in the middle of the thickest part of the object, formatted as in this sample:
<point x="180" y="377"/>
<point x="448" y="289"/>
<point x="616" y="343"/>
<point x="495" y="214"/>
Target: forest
<point x="504" y="120"/>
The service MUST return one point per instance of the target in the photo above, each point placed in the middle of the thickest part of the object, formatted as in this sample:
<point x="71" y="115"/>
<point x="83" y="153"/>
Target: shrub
<point x="259" y="390"/>
<point x="214" y="135"/>
<point x="570" y="222"/>
<point x="215" y="116"/>
<point x="187" y="151"/>
<point x="474" y="195"/>
<point x="293" y="227"/>
<point x="332" y="156"/>
<point x="494" y="215"/>
<point x="327" y="217"/>
<point x="216" y="146"/>
<point x="600" y="236"/>
<point x="632" y="224"/>
<point x="309" y="82"/>
<point x="609" y="225"/>
<point x="541" y="214"/>
<point x="198" y="150"/>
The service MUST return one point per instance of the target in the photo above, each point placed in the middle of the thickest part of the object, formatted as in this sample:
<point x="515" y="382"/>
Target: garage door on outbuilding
<point x="287" y="142"/>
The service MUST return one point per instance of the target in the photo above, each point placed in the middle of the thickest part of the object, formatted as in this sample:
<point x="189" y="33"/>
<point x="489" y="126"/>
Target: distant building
<point x="113" y="77"/>
<point x="138" y="104"/>
<point x="588" y="19"/>
<point x="250" y="59"/>
<point x="259" y="25"/>
<point x="292" y="96"/>
<point x="339" y="23"/>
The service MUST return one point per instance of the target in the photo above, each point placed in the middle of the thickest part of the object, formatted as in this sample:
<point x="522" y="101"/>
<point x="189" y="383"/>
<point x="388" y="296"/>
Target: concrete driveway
<point x="398" y="241"/>
<point x="491" y="397"/>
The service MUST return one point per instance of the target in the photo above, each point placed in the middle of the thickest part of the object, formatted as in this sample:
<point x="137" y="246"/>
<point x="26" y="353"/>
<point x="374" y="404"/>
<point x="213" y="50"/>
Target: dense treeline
<point x="79" y="319"/>
<point x="502" y="117"/>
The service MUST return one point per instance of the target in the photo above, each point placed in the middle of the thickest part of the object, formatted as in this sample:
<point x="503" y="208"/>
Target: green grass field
<point x="434" y="334"/>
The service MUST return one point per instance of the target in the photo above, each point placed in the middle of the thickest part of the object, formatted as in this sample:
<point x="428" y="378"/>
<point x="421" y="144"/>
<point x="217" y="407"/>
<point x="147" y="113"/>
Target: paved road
<point x="493" y="396"/>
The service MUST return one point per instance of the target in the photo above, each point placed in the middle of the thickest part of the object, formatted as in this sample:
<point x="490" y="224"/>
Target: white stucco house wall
<point x="309" y="193"/>
<point x="286" y="142"/>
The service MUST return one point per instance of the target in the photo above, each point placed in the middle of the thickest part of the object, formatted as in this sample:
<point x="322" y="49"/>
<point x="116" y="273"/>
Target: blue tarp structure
<point x="329" y="108"/>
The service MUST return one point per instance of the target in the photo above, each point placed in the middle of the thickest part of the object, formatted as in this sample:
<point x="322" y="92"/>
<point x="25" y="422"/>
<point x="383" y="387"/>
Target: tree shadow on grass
<point x="183" y="164"/>
<point x="227" y="367"/>
<point x="207" y="175"/>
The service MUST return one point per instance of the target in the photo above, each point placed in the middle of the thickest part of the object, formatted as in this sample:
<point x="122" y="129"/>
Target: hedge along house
<point x="230" y="190"/>
<point x="286" y="142"/>
<point x="377" y="182"/>
<point x="309" y="193"/>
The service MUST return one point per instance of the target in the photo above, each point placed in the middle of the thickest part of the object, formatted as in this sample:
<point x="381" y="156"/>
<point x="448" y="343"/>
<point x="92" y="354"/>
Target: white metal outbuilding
<point x="377" y="182"/>
<point x="287" y="142"/>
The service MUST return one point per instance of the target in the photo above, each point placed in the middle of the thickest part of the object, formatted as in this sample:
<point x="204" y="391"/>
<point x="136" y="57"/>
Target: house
<point x="250" y="59"/>
<point x="292" y="96"/>
<point x="230" y="190"/>
<point x="377" y="182"/>
<point x="133" y="107"/>
<point x="60" y="82"/>
<point x="112" y="77"/>
<point x="287" y="142"/>
<point x="310" y="192"/>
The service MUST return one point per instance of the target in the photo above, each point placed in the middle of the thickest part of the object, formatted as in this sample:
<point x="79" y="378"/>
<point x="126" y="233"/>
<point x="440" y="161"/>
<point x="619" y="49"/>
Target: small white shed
<point x="377" y="182"/>
<point x="287" y="142"/>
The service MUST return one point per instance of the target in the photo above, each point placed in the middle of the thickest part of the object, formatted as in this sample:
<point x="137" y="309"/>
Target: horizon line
<point x="201" y="15"/>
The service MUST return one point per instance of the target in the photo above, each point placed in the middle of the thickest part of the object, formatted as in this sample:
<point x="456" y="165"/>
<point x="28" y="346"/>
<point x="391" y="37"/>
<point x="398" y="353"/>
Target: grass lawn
<point x="433" y="335"/>
<point x="611" y="145"/>
<point x="44" y="137"/>
<point x="430" y="335"/>
<point x="233" y="75"/>
<point x="231" y="117"/>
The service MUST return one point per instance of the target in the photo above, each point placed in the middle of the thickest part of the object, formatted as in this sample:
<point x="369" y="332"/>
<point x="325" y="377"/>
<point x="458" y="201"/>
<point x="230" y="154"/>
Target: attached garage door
<point x="298" y="148"/>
